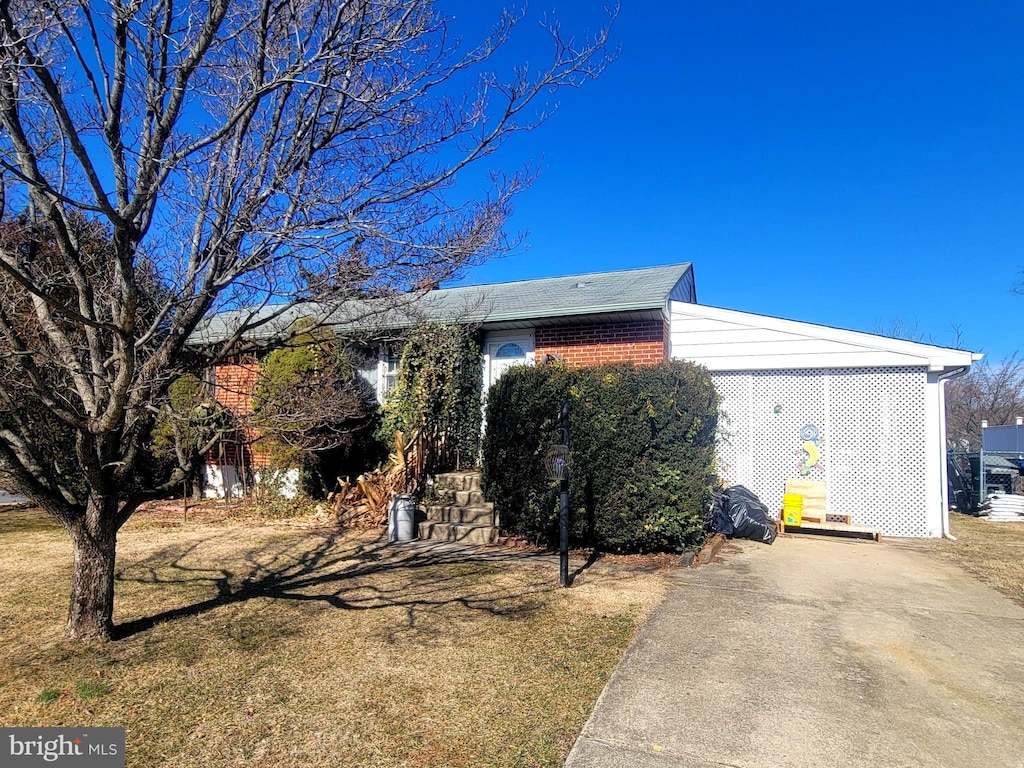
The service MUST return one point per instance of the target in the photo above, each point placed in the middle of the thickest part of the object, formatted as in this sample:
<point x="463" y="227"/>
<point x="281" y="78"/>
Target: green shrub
<point x="280" y="507"/>
<point x="313" y="411"/>
<point x="522" y="423"/>
<point x="642" y="447"/>
<point x="186" y="423"/>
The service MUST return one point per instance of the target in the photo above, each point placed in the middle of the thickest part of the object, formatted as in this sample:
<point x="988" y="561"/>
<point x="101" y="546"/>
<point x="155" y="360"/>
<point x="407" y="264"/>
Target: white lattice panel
<point x="880" y="464"/>
<point x="867" y="426"/>
<point x="785" y="402"/>
<point x="733" y="448"/>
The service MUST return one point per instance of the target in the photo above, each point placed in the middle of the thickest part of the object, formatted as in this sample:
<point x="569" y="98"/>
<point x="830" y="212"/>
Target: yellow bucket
<point x="792" y="508"/>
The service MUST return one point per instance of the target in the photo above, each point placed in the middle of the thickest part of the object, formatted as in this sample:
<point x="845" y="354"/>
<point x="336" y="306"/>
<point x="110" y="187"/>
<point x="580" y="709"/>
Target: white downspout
<point x="943" y="470"/>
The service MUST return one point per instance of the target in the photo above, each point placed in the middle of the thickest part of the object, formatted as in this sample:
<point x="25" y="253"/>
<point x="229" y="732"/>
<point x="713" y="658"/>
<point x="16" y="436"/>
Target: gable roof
<point x="729" y="340"/>
<point x="630" y="294"/>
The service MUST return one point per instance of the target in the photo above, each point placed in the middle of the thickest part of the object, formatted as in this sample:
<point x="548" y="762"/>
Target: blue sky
<point x="850" y="164"/>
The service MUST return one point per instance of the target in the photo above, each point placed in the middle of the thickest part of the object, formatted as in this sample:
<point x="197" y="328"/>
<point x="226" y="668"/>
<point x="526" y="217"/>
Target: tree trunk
<point x="91" y="614"/>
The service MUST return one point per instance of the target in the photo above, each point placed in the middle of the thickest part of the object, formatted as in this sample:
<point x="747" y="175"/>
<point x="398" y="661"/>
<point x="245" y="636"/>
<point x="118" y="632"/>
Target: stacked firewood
<point x="364" y="503"/>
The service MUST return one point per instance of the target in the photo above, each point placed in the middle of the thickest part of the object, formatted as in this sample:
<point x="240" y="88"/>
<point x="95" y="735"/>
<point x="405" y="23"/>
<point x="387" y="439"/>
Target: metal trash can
<point x="402" y="517"/>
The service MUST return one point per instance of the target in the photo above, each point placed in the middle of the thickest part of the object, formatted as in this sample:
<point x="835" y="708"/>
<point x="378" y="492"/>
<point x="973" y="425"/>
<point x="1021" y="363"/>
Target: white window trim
<point x="382" y="371"/>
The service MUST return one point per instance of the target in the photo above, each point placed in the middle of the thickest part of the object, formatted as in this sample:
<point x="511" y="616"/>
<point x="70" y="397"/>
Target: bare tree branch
<point x="993" y="392"/>
<point x="164" y="161"/>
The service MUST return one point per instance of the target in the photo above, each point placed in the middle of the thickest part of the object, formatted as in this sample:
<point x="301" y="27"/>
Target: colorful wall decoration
<point x="810" y="450"/>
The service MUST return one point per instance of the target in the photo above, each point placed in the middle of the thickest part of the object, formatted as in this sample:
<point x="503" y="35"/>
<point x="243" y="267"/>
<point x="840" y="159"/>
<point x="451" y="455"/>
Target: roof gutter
<point x="603" y="309"/>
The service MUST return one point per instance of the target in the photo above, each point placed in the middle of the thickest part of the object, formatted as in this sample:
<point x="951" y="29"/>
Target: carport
<point x="872" y="407"/>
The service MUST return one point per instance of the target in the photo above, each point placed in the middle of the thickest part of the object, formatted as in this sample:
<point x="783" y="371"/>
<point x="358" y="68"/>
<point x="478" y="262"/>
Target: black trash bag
<point x="718" y="514"/>
<point x="748" y="516"/>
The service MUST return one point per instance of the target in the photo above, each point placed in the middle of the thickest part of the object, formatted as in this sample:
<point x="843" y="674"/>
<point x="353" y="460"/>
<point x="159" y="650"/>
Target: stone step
<point x="466" y="534"/>
<point x="469" y="498"/>
<point x="475" y="514"/>
<point x="459" y="481"/>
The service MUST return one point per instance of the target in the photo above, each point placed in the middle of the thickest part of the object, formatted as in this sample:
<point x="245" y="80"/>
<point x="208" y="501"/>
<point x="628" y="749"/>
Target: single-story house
<point x="865" y="413"/>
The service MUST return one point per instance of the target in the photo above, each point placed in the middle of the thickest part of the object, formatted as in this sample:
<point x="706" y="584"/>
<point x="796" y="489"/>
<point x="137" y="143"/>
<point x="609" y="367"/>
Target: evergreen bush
<point x="184" y="426"/>
<point x="643" y="442"/>
<point x="313" y="412"/>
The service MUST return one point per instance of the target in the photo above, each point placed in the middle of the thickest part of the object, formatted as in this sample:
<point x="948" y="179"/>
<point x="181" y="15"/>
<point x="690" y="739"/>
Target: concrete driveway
<point x="818" y="652"/>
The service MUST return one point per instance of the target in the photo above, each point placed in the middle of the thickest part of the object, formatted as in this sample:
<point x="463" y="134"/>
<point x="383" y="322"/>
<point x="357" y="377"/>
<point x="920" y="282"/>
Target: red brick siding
<point x="644" y="343"/>
<point x="234" y="382"/>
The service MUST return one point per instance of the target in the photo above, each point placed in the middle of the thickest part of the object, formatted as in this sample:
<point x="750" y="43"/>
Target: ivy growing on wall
<point x="440" y="377"/>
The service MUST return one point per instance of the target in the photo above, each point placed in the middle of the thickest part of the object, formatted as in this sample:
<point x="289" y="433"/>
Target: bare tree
<point x="248" y="155"/>
<point x="907" y="330"/>
<point x="991" y="392"/>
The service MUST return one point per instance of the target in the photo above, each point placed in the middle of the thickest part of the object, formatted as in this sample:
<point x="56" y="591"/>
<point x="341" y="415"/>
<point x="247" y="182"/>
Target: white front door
<point x="503" y="353"/>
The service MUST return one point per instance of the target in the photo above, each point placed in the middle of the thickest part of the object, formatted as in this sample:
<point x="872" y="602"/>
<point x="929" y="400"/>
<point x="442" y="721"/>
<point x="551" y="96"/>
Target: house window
<point x="509" y="350"/>
<point x="390" y="364"/>
<point x="368" y="369"/>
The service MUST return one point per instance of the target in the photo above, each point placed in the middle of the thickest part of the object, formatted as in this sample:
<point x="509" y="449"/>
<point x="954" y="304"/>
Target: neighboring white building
<point x="872" y="407"/>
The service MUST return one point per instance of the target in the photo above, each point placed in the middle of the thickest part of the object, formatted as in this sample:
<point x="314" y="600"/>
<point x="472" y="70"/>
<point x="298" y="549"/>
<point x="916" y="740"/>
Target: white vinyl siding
<point x="727" y="340"/>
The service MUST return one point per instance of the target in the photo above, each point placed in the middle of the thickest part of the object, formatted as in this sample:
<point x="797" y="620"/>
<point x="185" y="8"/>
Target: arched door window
<point x="502" y="354"/>
<point x="509" y="350"/>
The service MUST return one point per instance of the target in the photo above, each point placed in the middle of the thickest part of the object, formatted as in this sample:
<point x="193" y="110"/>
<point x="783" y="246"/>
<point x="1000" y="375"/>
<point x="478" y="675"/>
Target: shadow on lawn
<point x="422" y="576"/>
<point x="594" y="556"/>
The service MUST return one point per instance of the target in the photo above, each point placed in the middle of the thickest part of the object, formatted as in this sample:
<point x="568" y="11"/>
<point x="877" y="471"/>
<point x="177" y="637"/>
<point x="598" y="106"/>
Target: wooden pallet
<point x="807" y="525"/>
<point x="814" y="515"/>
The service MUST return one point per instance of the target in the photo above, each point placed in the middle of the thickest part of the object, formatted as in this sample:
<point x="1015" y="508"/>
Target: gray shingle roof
<point x="598" y="292"/>
<point x="639" y="292"/>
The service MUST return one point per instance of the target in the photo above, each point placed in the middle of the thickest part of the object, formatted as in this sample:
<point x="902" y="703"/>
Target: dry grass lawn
<point x="994" y="552"/>
<point x="252" y="644"/>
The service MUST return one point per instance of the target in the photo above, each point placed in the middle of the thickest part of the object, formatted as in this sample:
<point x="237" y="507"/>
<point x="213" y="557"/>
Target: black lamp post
<point x="557" y="463"/>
